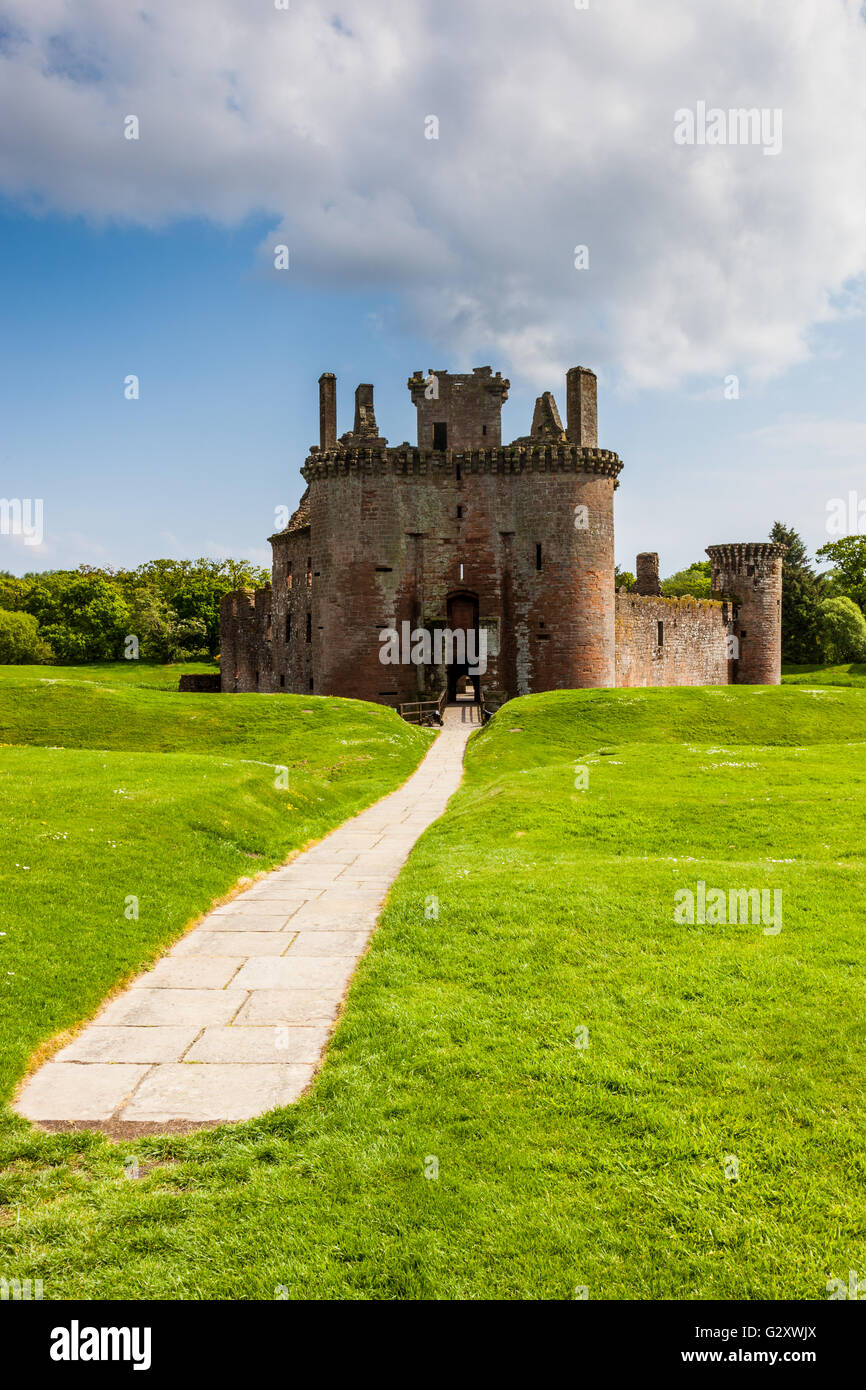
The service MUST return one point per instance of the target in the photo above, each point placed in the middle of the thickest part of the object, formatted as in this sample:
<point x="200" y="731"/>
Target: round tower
<point x="749" y="574"/>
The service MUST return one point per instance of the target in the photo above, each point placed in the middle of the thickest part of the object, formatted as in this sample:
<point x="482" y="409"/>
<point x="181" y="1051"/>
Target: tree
<point x="848" y="576"/>
<point x="82" y="614"/>
<point x="194" y="589"/>
<point x="623" y="579"/>
<point x="843" y="630"/>
<point x="162" y="635"/>
<point x="172" y="606"/>
<point x="20" y="641"/>
<point x="14" y="591"/>
<point x="696" y="580"/>
<point x="801" y="596"/>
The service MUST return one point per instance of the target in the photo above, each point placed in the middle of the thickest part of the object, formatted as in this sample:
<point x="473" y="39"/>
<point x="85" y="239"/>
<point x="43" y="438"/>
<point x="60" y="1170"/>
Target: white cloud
<point x="556" y="129"/>
<point x="816" y="435"/>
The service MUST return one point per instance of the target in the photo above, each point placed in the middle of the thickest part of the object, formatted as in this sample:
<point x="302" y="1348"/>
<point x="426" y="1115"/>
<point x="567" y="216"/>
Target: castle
<point x="507" y="547"/>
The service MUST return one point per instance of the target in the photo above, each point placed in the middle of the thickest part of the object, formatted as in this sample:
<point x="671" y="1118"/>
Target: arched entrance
<point x="463" y="616"/>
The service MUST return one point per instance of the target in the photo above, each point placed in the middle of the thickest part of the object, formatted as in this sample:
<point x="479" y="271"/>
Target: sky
<point x="431" y="170"/>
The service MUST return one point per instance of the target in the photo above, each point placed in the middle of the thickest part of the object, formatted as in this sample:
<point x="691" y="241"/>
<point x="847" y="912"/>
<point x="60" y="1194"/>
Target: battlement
<point x="529" y="456"/>
<point x="738" y="555"/>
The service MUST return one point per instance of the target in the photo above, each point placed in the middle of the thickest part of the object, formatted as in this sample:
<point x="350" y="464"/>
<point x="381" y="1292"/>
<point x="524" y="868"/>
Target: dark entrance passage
<point x="463" y="616"/>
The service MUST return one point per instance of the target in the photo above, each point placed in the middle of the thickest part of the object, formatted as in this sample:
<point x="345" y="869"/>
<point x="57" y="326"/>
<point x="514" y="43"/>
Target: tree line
<point x="170" y="608"/>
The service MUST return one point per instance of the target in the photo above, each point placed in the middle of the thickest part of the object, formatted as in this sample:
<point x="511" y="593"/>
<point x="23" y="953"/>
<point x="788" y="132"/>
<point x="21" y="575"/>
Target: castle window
<point x="459" y="473"/>
<point x="269" y="633"/>
<point x="282" y="682"/>
<point x="309" y="572"/>
<point x="309" y="627"/>
<point x="538" y="556"/>
<point x="459" y="513"/>
<point x="288" y="627"/>
<point x="440" y="435"/>
<point x="311" y="684"/>
<point x="661" y="634"/>
<point x="289" y="576"/>
<point x="483" y="429"/>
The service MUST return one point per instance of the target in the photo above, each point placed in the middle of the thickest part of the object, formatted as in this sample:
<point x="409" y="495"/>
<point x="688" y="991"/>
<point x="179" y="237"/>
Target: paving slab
<point x="165" y="1008"/>
<point x="233" y="943"/>
<point x="185" y="972"/>
<point x="343" y="919"/>
<point x="296" y="972"/>
<point x="129" y="1045"/>
<point x="184" y="1091"/>
<point x="328" y="943"/>
<point x="277" y="891"/>
<point x="62" y="1090"/>
<point x="261" y="1044"/>
<point x="258" y="907"/>
<point x="234" y="1020"/>
<point x="247" y="921"/>
<point x="289" y="1007"/>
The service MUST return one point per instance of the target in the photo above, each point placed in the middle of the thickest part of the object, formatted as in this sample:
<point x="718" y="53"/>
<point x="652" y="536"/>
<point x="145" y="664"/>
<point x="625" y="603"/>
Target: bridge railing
<point x="423" y="711"/>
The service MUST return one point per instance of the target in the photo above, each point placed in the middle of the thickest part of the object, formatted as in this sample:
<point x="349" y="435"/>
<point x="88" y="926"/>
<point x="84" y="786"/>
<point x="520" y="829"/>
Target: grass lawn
<point x="153" y="674"/>
<point x="609" y="1166"/>
<point x="852" y="673"/>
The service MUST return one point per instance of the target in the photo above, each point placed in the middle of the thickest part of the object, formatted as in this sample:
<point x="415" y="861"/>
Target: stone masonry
<point x="460" y="533"/>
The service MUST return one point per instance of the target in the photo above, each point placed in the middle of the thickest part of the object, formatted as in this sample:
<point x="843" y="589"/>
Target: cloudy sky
<point x="308" y="127"/>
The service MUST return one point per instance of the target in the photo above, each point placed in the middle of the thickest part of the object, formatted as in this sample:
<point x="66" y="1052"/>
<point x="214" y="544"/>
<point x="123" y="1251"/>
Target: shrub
<point x="842" y="630"/>
<point x="20" y="640"/>
<point x="696" y="580"/>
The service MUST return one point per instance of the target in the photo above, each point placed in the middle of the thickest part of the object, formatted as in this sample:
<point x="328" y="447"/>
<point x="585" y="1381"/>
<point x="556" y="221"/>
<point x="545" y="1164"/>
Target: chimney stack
<point x="327" y="410"/>
<point x="647" y="581"/>
<point x="581" y="406"/>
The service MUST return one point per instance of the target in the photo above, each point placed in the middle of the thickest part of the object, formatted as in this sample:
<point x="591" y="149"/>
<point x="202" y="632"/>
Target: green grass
<point x="852" y="673"/>
<point x="559" y="1166"/>
<point x="137" y="673"/>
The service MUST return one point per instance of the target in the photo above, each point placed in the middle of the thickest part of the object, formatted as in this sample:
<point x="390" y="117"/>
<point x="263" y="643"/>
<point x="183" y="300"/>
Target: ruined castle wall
<point x="291" y="603"/>
<point x="693" y="648"/>
<point x="240" y="641"/>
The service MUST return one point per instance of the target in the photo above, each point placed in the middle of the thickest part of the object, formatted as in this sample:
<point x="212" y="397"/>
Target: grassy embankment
<point x="710" y="1050"/>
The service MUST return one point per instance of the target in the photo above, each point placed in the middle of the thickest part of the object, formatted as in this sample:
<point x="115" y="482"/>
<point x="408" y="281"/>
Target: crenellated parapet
<point x="736" y="556"/>
<point x="528" y="456"/>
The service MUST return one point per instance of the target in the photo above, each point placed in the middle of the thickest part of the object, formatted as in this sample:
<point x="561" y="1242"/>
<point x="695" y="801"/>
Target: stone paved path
<point x="235" y="1019"/>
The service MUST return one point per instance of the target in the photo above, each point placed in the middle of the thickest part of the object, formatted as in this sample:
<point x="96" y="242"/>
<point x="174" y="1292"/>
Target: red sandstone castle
<point x="510" y="544"/>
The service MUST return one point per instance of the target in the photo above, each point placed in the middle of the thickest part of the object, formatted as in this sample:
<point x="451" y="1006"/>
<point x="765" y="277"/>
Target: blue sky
<point x="408" y="253"/>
